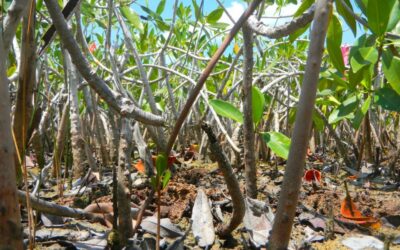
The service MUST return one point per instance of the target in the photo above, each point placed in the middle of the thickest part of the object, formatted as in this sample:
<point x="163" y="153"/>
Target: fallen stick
<point x="55" y="209"/>
<point x="64" y="211"/>
<point x="142" y="210"/>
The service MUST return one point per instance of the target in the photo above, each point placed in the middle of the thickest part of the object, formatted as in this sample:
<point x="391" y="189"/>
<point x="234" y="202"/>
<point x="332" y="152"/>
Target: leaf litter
<point x="197" y="194"/>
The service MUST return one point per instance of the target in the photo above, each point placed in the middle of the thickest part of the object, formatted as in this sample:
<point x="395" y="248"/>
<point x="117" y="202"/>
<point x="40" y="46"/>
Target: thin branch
<point x="16" y="10"/>
<point x="284" y="30"/>
<point x="67" y="12"/>
<point x="231" y="183"/>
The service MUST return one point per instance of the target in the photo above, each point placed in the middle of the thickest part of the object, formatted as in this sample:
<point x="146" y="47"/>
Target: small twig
<point x="142" y="210"/>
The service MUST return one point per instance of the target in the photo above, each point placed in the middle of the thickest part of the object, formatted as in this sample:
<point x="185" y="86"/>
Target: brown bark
<point x="284" y="30"/>
<point x="248" y="126"/>
<point x="125" y="149"/>
<point x="289" y="194"/>
<point x="52" y="208"/>
<point x="114" y="128"/>
<point x="100" y="133"/>
<point x="10" y="225"/>
<point x="231" y="182"/>
<point x="77" y="139"/>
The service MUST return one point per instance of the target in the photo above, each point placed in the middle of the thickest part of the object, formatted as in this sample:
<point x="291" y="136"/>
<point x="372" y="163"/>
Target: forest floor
<point x="322" y="219"/>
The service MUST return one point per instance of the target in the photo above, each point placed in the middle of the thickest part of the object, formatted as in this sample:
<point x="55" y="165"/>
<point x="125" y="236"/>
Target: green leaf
<point x="348" y="18"/>
<point x="345" y="110"/>
<point x="333" y="42"/>
<point x="278" y="143"/>
<point x="363" y="56"/>
<point x="303" y="7"/>
<point x="226" y="109"/>
<point x="297" y="33"/>
<point x="180" y="12"/>
<point x="157" y="18"/>
<point x="161" y="164"/>
<point x="365" y="40"/>
<point x="359" y="115"/>
<point x="338" y="79"/>
<point x="196" y="9"/>
<point x="166" y="178"/>
<point x="394" y="16"/>
<point x="318" y="122"/>
<point x="132" y="17"/>
<point x="162" y="25"/>
<point x="11" y="70"/>
<point x="367" y="73"/>
<point x="378" y="13"/>
<point x="150" y="12"/>
<point x="258" y="104"/>
<point x="362" y="5"/>
<point x="219" y="25"/>
<point x="355" y="78"/>
<point x="101" y="23"/>
<point x="391" y="69"/>
<point x="153" y="182"/>
<point x="388" y="99"/>
<point x="161" y="7"/>
<point x="215" y="15"/>
<point x="39" y="4"/>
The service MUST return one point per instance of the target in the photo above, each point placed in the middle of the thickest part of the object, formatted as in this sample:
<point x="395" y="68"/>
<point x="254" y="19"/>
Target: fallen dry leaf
<point x="203" y="227"/>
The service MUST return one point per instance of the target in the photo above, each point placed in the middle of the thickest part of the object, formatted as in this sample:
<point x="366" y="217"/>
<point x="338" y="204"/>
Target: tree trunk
<point x="125" y="149"/>
<point x="10" y="225"/>
<point x="77" y="140"/>
<point x="248" y="126"/>
<point x="114" y="128"/>
<point x="100" y="134"/>
<point x="289" y="194"/>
